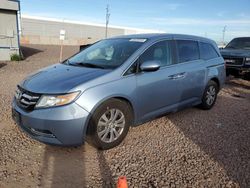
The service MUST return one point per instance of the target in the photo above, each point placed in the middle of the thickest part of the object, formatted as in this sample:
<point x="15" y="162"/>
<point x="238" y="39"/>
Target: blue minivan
<point x="97" y="94"/>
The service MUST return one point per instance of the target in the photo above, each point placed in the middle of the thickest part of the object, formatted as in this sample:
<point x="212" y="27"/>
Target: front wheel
<point x="247" y="76"/>
<point x="109" y="124"/>
<point x="210" y="95"/>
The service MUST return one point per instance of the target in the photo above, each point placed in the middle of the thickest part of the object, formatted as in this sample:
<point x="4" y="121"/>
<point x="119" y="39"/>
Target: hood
<point x="235" y="52"/>
<point x="60" y="78"/>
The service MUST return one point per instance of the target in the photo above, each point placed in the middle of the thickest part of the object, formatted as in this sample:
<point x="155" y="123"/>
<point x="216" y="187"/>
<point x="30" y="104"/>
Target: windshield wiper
<point x="86" y="65"/>
<point x="231" y="47"/>
<point x="67" y="62"/>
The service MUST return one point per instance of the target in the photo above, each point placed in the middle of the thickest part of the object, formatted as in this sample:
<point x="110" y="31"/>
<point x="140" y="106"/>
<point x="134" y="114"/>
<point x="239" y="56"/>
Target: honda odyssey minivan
<point x="97" y="94"/>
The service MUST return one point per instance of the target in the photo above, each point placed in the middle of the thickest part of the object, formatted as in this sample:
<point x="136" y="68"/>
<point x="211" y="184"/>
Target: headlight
<point x="56" y="100"/>
<point x="17" y="94"/>
<point x="248" y="60"/>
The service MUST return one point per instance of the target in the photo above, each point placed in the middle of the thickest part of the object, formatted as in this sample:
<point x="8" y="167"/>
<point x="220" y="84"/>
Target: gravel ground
<point x="190" y="148"/>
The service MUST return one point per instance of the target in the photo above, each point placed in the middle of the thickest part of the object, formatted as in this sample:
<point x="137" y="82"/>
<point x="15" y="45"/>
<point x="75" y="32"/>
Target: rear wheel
<point x="210" y="95"/>
<point x="109" y="124"/>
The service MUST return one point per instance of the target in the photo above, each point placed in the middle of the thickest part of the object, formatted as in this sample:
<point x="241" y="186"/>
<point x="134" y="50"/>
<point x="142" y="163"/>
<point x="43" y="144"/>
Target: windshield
<point x="239" y="43"/>
<point x="106" y="54"/>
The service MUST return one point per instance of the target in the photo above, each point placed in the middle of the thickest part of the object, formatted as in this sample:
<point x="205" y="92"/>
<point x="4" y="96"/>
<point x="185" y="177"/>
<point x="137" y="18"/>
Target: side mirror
<point x="82" y="47"/>
<point x="150" y="66"/>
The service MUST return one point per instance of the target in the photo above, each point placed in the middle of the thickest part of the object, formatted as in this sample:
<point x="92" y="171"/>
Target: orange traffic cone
<point x="122" y="182"/>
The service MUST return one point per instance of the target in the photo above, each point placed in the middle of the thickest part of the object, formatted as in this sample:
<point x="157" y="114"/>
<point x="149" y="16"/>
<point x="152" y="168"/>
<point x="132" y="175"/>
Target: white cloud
<point x="172" y="6"/>
<point x="221" y="13"/>
<point x="244" y="15"/>
<point x="64" y="17"/>
<point x="239" y="33"/>
<point x="206" y="22"/>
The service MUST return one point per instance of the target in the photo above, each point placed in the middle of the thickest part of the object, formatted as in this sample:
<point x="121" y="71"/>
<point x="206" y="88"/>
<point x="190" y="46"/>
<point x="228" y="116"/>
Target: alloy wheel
<point x="111" y="125"/>
<point x="210" y="95"/>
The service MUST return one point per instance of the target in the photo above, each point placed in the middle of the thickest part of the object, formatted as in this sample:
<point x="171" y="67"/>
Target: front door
<point x="156" y="91"/>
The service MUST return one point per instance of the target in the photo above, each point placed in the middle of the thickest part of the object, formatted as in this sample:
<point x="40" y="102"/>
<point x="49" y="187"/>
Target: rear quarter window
<point x="187" y="50"/>
<point x="207" y="51"/>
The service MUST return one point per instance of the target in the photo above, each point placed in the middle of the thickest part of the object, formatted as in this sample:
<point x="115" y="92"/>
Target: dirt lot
<point x="190" y="148"/>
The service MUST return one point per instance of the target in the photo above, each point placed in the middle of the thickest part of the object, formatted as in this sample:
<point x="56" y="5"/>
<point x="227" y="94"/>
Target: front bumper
<point x="245" y="68"/>
<point x="65" y="125"/>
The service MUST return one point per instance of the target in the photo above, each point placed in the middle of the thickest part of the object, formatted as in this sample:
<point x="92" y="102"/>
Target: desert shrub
<point x="15" y="57"/>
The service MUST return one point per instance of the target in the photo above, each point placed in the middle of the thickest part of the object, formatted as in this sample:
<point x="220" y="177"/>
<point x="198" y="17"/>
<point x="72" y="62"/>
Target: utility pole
<point x="62" y="38"/>
<point x="223" y="34"/>
<point x="107" y="20"/>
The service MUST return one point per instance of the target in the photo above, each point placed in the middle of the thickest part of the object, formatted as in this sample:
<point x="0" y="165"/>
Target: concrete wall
<point x="9" y="5"/>
<point x="8" y="33"/>
<point x="37" y="30"/>
<point x="47" y="32"/>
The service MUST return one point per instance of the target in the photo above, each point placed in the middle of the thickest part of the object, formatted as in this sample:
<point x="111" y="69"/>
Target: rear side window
<point x="207" y="51"/>
<point x="187" y="50"/>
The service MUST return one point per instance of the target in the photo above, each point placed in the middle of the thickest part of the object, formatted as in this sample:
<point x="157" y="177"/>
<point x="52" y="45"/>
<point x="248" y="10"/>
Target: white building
<point x="9" y="38"/>
<point x="40" y="30"/>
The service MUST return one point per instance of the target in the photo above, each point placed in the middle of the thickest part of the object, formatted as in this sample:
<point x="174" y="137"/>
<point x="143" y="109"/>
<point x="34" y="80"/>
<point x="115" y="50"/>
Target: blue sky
<point x="198" y="17"/>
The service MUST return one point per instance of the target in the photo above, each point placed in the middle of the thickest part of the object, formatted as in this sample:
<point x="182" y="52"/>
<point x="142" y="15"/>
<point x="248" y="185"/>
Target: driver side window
<point x="160" y="51"/>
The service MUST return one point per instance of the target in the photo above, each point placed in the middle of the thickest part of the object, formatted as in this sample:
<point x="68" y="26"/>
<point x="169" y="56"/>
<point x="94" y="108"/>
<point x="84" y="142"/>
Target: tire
<point x="235" y="73"/>
<point x="211" y="92"/>
<point x="105" y="132"/>
<point x="247" y="76"/>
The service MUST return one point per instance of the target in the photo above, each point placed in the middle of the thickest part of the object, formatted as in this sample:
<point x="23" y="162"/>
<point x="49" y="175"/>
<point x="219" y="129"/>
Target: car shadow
<point x="74" y="167"/>
<point x="106" y="174"/>
<point x="62" y="167"/>
<point x="224" y="137"/>
<point x="238" y="85"/>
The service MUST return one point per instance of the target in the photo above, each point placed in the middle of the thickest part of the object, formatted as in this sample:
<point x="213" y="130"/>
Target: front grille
<point x="26" y="99"/>
<point x="234" y="61"/>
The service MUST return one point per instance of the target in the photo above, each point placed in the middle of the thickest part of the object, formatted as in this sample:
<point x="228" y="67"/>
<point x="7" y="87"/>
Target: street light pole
<point x="107" y="20"/>
<point x="223" y="36"/>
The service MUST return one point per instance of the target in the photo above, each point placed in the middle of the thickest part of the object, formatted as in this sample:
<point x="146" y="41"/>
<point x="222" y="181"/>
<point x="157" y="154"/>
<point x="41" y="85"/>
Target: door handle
<point x="177" y="76"/>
